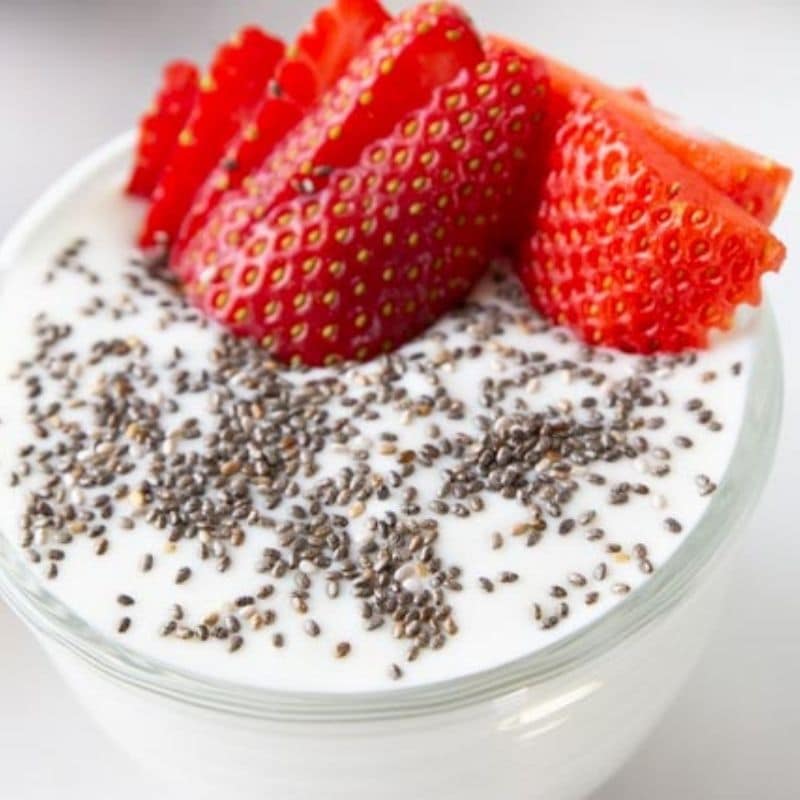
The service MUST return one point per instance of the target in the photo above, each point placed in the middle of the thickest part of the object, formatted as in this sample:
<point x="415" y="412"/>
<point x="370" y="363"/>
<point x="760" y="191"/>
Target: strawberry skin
<point x="396" y="72"/>
<point x="311" y="66"/>
<point x="159" y="127"/>
<point x="235" y="82"/>
<point x="630" y="247"/>
<point x="755" y="182"/>
<point x="386" y="246"/>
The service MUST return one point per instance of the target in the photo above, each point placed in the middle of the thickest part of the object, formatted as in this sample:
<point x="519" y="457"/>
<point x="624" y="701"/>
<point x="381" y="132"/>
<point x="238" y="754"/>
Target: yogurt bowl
<point x="554" y="723"/>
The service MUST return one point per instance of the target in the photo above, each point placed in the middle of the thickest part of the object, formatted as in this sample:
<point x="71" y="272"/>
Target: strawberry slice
<point x="424" y="47"/>
<point x="315" y="62"/>
<point x="237" y="79"/>
<point x="370" y="258"/>
<point x="326" y="46"/>
<point x="631" y="247"/>
<point x="159" y="126"/>
<point x="397" y="71"/>
<point x="754" y="182"/>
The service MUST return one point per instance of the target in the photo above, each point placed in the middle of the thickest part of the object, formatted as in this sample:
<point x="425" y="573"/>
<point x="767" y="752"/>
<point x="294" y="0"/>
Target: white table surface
<point x="74" y="73"/>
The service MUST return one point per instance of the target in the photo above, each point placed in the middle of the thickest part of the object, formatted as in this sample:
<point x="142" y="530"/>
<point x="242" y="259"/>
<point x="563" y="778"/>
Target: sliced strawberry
<point x="754" y="182"/>
<point x="371" y="258"/>
<point x="399" y="68"/>
<point x="315" y="62"/>
<point x="236" y="81"/>
<point x="421" y="49"/>
<point x="327" y="45"/>
<point x="632" y="248"/>
<point x="159" y="127"/>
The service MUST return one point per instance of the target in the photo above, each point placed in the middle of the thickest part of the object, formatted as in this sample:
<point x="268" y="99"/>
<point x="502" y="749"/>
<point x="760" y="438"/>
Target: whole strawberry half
<point x="236" y="80"/>
<point x="632" y="248"/>
<point x="753" y="181"/>
<point x="396" y="72"/>
<point x="367" y="260"/>
<point x="160" y="125"/>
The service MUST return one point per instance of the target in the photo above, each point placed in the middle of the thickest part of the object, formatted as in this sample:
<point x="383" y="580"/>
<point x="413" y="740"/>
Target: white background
<point x="72" y="74"/>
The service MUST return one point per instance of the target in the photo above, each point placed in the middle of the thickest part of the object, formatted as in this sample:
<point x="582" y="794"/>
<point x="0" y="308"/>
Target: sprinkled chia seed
<point x="672" y="525"/>
<point x="566" y="526"/>
<point x="183" y="575"/>
<point x="342" y="649"/>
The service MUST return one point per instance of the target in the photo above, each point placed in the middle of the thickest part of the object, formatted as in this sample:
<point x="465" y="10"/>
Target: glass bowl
<point x="554" y="724"/>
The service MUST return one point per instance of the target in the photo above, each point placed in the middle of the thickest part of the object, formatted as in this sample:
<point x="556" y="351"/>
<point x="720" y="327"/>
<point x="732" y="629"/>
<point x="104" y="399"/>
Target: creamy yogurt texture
<point x="510" y="595"/>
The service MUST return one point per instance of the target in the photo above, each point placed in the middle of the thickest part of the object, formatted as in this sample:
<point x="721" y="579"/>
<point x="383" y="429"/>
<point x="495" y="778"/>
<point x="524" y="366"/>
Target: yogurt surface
<point x="489" y="488"/>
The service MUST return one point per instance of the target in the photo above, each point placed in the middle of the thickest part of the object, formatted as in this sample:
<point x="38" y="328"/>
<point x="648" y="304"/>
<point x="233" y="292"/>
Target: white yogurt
<point x="495" y="627"/>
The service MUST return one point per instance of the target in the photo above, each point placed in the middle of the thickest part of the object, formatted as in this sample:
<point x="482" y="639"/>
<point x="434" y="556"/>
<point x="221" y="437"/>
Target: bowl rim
<point x="726" y="512"/>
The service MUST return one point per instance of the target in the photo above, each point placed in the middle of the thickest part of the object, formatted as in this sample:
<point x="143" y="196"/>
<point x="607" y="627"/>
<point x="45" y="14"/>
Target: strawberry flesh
<point x="236" y="81"/>
<point x="384" y="247"/>
<point x="159" y="127"/>
<point x="632" y="248"/>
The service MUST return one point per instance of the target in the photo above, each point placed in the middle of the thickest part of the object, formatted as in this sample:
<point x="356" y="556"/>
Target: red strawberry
<point x="314" y="63"/>
<point x="421" y="49"/>
<point x="754" y="182"/>
<point x="236" y="81"/>
<point x="159" y="127"/>
<point x="631" y="247"/>
<point x="324" y="49"/>
<point x="370" y="259"/>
